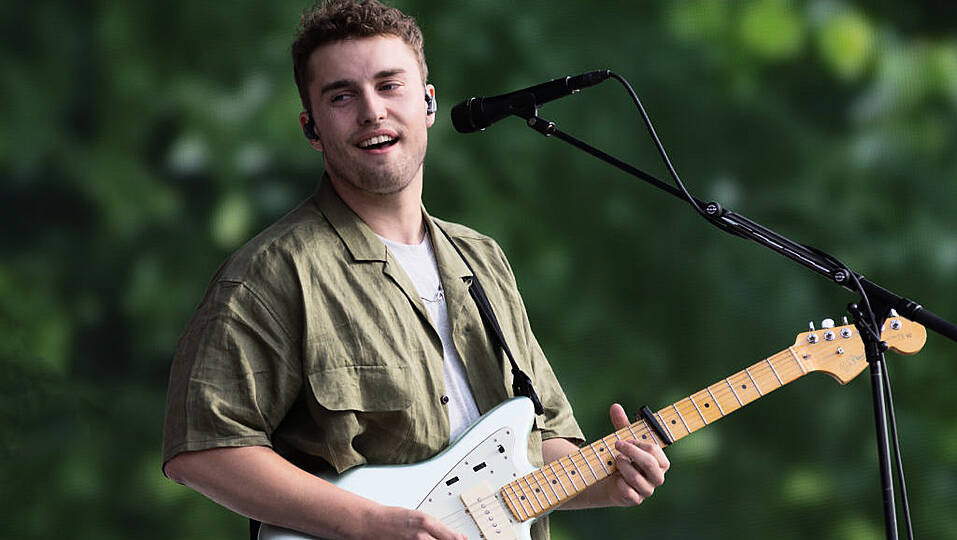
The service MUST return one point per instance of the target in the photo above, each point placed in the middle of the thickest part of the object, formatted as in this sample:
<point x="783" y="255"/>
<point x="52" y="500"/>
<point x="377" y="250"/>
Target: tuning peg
<point x="845" y="320"/>
<point x="827" y="323"/>
<point x="893" y="312"/>
<point x="811" y="325"/>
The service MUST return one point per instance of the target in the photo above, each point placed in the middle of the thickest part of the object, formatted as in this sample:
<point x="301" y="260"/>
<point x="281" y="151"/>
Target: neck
<point x="396" y="216"/>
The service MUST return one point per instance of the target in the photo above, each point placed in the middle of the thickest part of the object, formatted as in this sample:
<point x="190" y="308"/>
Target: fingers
<point x="641" y="467"/>
<point x="427" y="527"/>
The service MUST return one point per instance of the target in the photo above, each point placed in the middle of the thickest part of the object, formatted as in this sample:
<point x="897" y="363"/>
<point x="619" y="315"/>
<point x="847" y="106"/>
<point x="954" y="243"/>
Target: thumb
<point x="618" y="417"/>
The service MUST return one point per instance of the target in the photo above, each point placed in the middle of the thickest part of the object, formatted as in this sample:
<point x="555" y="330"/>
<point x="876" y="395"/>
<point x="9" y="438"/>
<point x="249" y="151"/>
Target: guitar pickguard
<point x="453" y="485"/>
<point x="488" y="465"/>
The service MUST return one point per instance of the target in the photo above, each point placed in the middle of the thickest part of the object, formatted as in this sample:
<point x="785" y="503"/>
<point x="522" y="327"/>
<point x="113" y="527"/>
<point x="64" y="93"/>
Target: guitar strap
<point x="521" y="383"/>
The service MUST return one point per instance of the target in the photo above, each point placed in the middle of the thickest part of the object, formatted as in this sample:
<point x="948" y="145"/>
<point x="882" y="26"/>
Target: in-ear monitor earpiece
<point x="309" y="129"/>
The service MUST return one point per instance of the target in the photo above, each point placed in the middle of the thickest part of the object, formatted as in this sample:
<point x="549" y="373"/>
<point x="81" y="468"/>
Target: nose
<point x="373" y="109"/>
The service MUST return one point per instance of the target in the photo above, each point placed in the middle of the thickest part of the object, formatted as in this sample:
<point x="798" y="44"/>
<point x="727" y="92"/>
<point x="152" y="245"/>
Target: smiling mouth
<point x="378" y="142"/>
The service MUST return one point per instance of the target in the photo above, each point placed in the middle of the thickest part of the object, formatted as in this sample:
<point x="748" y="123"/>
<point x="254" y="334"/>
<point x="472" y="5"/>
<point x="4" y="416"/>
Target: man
<point x="344" y="334"/>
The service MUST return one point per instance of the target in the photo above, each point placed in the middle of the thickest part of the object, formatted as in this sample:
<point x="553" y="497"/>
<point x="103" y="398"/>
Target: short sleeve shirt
<point x="311" y="340"/>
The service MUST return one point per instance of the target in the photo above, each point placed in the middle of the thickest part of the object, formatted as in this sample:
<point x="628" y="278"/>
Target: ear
<point x="308" y="126"/>
<point x="430" y="118"/>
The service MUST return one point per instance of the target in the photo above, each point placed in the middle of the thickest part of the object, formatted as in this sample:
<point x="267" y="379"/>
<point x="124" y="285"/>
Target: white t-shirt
<point x="418" y="261"/>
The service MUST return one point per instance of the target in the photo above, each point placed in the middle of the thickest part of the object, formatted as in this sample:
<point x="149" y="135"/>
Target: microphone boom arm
<point x="739" y="225"/>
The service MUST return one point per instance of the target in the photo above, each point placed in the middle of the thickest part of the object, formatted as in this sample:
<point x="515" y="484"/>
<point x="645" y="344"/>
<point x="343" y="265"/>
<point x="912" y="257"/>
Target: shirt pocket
<point x="364" y="414"/>
<point x="362" y="388"/>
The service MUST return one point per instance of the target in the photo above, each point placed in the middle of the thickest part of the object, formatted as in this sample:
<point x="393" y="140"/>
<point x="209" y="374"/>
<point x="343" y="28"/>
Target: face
<point x="368" y="103"/>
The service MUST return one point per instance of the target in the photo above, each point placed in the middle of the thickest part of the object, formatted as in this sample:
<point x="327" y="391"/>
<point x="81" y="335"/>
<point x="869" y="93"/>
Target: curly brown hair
<point x="337" y="20"/>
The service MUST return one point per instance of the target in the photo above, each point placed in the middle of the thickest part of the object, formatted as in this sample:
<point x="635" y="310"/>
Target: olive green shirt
<point x="313" y="341"/>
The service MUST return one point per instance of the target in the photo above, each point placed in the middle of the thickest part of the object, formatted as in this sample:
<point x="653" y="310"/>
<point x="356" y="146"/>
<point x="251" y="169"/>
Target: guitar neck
<point x="545" y="489"/>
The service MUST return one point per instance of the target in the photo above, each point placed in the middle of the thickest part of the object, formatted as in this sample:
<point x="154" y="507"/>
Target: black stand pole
<point x="874" y="351"/>
<point x="821" y="263"/>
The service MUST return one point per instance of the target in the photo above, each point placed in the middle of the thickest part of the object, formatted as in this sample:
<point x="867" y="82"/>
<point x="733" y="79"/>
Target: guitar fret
<point x="600" y="460"/>
<point x="682" y="418"/>
<point x="551" y="484"/>
<point x="589" y="466"/>
<point x="611" y="453"/>
<point x="633" y="434"/>
<point x="534" y="493"/>
<point x="513" y="506"/>
<point x="568" y="474"/>
<point x="661" y="421"/>
<point x="559" y="478"/>
<point x="617" y="436"/>
<point x="731" y="386"/>
<point x="754" y="382"/>
<point x="703" y="419"/>
<point x="521" y="499"/>
<point x="650" y="431"/>
<point x="539" y="482"/>
<point x="798" y="360"/>
<point x="529" y="499"/>
<point x="715" y="400"/>
<point x="768" y="360"/>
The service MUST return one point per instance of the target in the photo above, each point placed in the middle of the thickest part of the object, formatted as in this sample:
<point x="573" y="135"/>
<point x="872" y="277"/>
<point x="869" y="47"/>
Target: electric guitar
<point x="484" y="486"/>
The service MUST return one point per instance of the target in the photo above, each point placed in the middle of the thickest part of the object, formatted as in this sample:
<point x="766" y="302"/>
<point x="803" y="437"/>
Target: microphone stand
<point x="876" y="301"/>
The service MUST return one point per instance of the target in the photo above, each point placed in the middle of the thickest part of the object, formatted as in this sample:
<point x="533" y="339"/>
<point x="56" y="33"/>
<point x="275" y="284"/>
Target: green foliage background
<point x="140" y="143"/>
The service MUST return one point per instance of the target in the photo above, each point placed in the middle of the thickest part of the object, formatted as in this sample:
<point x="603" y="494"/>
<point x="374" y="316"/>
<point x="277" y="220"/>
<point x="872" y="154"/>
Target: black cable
<point x="905" y="506"/>
<point x="659" y="146"/>
<point x="869" y="324"/>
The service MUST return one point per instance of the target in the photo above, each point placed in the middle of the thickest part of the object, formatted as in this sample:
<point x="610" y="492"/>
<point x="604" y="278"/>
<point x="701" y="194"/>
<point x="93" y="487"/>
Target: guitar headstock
<point x="839" y="351"/>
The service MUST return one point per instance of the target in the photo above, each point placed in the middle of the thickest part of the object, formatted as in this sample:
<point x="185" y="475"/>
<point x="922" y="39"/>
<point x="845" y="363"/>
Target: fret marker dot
<point x="644" y="436"/>
<point x="554" y="481"/>
<point x="706" y="405"/>
<point x="523" y="497"/>
<point x="674" y="421"/>
<point x="744" y="386"/>
<point x="609" y="463"/>
<point x="573" y="473"/>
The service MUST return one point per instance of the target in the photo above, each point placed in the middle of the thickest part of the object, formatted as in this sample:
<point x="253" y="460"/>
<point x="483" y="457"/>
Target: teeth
<point x="379" y="139"/>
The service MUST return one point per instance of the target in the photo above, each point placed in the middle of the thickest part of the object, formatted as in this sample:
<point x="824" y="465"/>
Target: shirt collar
<point x="450" y="263"/>
<point x="364" y="245"/>
<point x="359" y="239"/>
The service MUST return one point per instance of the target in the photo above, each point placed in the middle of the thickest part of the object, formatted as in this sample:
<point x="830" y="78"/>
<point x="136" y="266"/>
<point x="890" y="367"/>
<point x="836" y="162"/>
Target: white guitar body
<point x="491" y="453"/>
<point x="463" y="485"/>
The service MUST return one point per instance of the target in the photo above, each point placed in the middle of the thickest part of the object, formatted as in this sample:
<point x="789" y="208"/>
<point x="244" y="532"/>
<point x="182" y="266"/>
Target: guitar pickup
<point x="479" y="467"/>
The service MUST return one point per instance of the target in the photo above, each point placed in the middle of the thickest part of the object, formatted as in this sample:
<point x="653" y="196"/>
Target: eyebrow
<point x="348" y="83"/>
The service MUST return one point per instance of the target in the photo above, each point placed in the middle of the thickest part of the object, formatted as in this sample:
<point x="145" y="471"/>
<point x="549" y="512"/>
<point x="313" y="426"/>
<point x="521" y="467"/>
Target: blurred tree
<point x="140" y="143"/>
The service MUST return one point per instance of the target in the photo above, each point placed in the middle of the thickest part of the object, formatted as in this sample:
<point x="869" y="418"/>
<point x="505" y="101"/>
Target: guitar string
<point x="764" y="370"/>
<point x="462" y="515"/>
<point x="771" y="369"/>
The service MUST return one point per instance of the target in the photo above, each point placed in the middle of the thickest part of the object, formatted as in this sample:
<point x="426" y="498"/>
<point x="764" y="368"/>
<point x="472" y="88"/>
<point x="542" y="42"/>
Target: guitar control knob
<point x="827" y="323"/>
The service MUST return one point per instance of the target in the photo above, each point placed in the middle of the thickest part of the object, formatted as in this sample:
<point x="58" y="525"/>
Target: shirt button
<point x="444" y="400"/>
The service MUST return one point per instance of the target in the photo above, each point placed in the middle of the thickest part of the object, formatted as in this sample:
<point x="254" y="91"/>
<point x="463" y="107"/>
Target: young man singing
<point x="344" y="334"/>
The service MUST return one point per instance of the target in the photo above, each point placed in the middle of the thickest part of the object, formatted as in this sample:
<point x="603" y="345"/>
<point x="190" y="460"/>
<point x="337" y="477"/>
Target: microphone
<point x="478" y="113"/>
